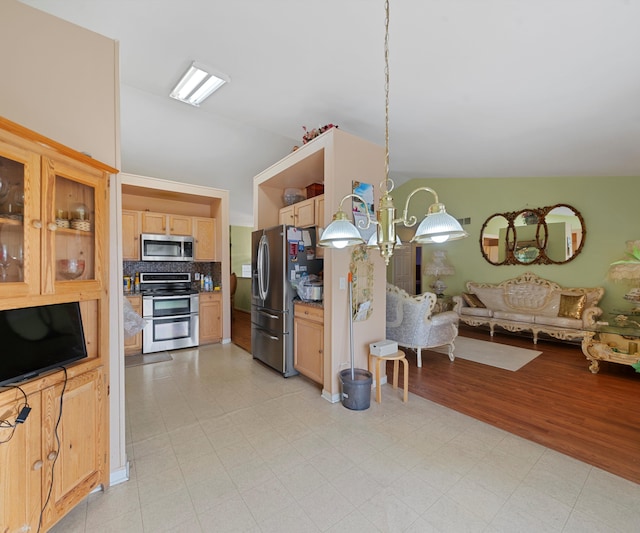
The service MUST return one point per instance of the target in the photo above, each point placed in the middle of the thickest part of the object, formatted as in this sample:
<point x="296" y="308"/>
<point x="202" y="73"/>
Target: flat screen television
<point x="34" y="340"/>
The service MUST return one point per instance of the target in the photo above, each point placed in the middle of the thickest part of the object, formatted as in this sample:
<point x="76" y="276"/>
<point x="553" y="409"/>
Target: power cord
<point x="53" y="464"/>
<point x="23" y="413"/>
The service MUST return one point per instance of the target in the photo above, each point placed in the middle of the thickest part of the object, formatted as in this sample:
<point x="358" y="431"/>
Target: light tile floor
<point x="220" y="443"/>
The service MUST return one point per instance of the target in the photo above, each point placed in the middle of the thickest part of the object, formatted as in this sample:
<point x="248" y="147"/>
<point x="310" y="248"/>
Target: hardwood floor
<point x="554" y="400"/>
<point x="241" y="329"/>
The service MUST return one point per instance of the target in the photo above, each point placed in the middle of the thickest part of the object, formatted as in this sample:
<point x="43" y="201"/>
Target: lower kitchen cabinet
<point x="308" y="339"/>
<point x="21" y="464"/>
<point x="62" y="462"/>
<point x="210" y="317"/>
<point x="133" y="345"/>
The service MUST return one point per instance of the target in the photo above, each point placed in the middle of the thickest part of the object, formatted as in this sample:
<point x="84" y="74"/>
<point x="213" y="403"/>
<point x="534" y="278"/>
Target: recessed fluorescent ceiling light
<point x="197" y="84"/>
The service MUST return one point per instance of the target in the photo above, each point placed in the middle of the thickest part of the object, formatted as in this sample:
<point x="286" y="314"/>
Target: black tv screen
<point x="36" y="339"/>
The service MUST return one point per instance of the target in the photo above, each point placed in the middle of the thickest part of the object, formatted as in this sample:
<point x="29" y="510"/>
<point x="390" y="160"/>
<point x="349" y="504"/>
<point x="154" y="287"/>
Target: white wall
<point x="62" y="81"/>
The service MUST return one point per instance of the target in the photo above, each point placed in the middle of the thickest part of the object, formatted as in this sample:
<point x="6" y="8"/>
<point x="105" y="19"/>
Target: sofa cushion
<point x="476" y="311"/>
<point x="560" y="322"/>
<point x="472" y="300"/>
<point x="516" y="317"/>
<point x="571" y="305"/>
<point x="491" y="297"/>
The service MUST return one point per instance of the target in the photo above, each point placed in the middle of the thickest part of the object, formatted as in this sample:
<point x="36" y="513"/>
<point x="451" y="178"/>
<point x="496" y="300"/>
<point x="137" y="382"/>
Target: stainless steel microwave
<point x="166" y="247"/>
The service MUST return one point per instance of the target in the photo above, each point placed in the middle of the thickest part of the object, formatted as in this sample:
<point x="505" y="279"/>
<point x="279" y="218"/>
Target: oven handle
<point x="169" y="317"/>
<point x="176" y="297"/>
<point x="267" y="335"/>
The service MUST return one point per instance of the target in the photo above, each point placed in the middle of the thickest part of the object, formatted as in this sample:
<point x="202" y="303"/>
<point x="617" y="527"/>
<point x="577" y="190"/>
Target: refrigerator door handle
<point x="269" y="315"/>
<point x="267" y="335"/>
<point x="263" y="268"/>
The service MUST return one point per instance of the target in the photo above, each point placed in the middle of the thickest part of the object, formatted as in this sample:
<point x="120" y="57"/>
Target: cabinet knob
<point x="37" y="224"/>
<point x="51" y="226"/>
<point x="52" y="455"/>
<point x="38" y="464"/>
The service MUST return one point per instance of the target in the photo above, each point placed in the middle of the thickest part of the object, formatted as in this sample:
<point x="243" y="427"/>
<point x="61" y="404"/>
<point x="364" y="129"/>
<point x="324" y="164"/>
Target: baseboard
<point x="120" y="475"/>
<point x="333" y="398"/>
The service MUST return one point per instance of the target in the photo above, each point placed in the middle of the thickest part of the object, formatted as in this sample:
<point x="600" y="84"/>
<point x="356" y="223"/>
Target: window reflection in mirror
<point x="548" y="235"/>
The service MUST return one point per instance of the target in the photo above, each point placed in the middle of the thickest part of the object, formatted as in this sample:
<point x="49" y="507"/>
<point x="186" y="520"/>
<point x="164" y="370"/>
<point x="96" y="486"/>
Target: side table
<point x="611" y="343"/>
<point x="443" y="303"/>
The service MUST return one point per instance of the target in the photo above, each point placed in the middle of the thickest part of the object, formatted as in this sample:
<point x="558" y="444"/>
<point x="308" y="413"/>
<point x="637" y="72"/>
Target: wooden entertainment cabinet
<point x="56" y="211"/>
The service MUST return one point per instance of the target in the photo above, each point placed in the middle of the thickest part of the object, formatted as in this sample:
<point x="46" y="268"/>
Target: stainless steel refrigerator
<point x="279" y="255"/>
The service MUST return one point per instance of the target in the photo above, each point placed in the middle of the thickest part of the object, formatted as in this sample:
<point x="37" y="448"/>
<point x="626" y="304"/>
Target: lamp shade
<point x="627" y="269"/>
<point x="438" y="265"/>
<point x="340" y="234"/>
<point x="438" y="226"/>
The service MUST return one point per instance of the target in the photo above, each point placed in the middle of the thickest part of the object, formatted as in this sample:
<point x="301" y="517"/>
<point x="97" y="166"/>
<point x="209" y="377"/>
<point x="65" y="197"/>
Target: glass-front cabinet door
<point x="48" y="216"/>
<point x="19" y="201"/>
<point x="71" y="242"/>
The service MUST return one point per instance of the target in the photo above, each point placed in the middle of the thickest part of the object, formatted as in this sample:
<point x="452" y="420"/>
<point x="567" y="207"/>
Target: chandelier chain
<point x="386" y="185"/>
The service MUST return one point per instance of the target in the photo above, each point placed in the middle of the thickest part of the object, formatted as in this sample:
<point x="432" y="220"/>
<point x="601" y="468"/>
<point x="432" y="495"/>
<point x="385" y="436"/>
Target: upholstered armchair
<point x="411" y="324"/>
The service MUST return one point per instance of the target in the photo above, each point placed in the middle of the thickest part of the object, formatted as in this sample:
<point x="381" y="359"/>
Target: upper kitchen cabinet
<point x="131" y="235"/>
<point x="303" y="214"/>
<point x="53" y="218"/>
<point x="166" y="224"/>
<point x="204" y="235"/>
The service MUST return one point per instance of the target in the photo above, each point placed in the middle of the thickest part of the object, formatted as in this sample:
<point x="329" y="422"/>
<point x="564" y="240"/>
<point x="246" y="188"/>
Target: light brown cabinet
<point x="308" y="341"/>
<point x="204" y="235"/>
<point x="287" y="215"/>
<point x="166" y="224"/>
<point x="319" y="209"/>
<point x="133" y="345"/>
<point x="203" y="230"/>
<point x="303" y="214"/>
<point x="130" y="235"/>
<point x="22" y="463"/>
<point x="210" y="317"/>
<point x="55" y="225"/>
<point x="81" y="457"/>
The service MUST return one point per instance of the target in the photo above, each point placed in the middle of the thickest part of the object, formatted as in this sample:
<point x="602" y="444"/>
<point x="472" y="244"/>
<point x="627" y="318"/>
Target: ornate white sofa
<point x="530" y="303"/>
<point x="411" y="324"/>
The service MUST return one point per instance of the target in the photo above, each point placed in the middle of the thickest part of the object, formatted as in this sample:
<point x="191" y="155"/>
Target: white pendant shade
<point x="340" y="234"/>
<point x="437" y="228"/>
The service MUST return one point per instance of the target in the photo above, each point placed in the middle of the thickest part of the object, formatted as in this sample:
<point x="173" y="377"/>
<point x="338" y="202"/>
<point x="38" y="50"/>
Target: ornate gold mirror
<point x="547" y="235"/>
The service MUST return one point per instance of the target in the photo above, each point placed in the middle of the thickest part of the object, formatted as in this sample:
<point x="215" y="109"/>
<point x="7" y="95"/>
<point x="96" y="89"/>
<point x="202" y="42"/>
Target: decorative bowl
<point x="70" y="268"/>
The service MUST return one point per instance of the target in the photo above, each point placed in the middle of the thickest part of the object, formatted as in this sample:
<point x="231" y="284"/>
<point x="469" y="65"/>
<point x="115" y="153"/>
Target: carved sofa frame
<point x="530" y="303"/>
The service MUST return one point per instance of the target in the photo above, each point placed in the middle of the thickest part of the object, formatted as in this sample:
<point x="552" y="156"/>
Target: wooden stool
<point x="399" y="356"/>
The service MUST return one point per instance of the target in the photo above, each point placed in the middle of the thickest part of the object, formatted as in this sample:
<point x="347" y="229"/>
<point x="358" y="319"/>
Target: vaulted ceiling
<point x="500" y="88"/>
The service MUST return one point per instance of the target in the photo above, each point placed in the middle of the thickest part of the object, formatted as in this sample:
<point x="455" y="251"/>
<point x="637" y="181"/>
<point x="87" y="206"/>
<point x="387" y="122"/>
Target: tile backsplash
<point x="129" y="268"/>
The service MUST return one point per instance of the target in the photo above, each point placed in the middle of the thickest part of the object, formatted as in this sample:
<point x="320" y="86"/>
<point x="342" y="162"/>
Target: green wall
<point x="609" y="207"/>
<point x="240" y="238"/>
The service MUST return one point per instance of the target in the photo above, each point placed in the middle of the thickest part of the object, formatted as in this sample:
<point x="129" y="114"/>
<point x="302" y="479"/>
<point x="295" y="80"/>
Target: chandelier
<point x="436" y="227"/>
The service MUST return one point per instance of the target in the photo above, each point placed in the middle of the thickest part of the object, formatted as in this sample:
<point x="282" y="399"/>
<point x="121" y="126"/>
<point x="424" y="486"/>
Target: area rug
<point x="492" y="353"/>
<point x="145" y="359"/>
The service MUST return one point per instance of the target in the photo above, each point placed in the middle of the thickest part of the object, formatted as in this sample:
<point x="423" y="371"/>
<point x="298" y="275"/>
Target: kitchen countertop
<point x="310" y="303"/>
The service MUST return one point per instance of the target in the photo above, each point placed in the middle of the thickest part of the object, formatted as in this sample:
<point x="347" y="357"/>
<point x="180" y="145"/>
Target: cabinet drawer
<point x="309" y="312"/>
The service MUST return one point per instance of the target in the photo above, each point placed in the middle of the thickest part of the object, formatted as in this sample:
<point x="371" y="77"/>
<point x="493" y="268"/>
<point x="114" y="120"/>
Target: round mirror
<point x="565" y="229"/>
<point x="553" y="234"/>
<point x="494" y="236"/>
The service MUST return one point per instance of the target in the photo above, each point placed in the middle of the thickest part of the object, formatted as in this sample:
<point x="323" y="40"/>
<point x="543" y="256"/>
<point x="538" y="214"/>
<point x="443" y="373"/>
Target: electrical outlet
<point x="196" y="276"/>
<point x="343" y="284"/>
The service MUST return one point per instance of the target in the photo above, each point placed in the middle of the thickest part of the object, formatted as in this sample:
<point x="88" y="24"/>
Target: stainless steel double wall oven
<point x="170" y="310"/>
